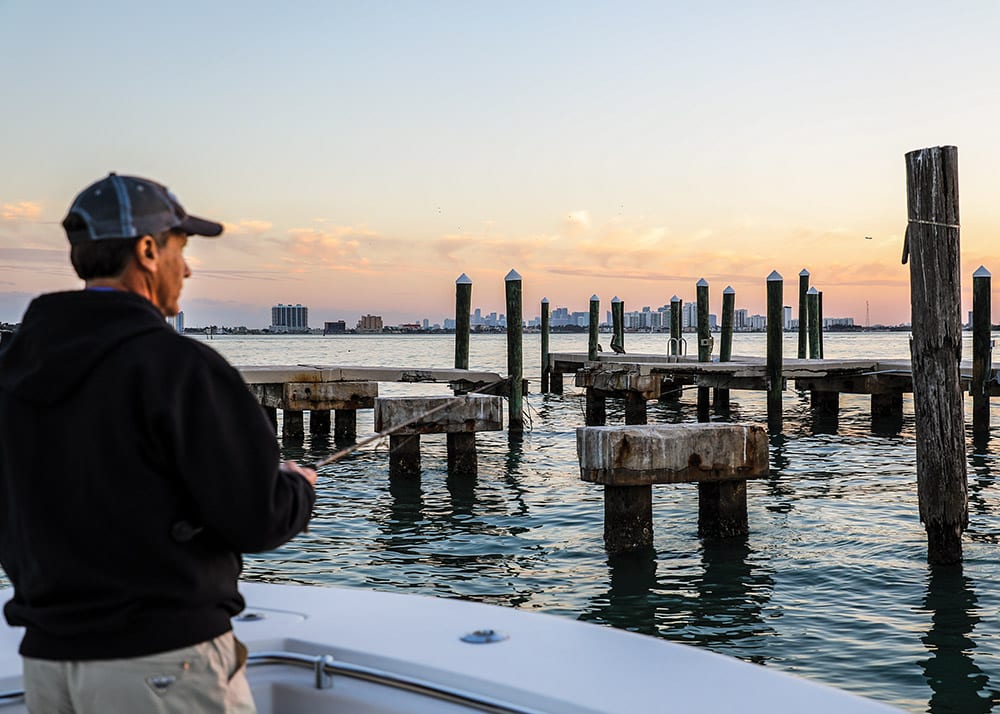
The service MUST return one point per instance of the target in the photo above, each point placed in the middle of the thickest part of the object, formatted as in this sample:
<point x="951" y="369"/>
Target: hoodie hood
<point x="63" y="336"/>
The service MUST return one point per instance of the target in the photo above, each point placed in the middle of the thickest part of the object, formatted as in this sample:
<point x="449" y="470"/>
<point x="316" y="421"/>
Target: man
<point x="135" y="468"/>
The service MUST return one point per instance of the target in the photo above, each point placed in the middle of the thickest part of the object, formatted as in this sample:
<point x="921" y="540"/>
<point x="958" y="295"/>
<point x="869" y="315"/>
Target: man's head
<point x="130" y="233"/>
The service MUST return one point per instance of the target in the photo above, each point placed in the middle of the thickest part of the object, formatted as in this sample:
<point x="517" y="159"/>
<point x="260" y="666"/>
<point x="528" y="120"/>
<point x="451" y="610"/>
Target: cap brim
<point x="194" y="226"/>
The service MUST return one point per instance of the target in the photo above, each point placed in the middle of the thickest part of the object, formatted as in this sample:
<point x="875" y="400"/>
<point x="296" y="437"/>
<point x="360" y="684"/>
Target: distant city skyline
<point x="622" y="149"/>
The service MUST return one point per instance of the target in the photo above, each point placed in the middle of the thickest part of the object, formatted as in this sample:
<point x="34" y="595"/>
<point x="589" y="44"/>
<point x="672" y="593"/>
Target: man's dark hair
<point x="107" y="258"/>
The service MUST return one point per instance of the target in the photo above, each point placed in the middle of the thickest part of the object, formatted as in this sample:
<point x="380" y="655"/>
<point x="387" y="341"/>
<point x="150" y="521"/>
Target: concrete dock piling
<point x="629" y="460"/>
<point x="462" y="415"/>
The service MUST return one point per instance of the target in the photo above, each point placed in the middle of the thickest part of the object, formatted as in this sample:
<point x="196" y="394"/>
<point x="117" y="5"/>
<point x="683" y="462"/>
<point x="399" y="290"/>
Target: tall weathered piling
<point x="595" y="321"/>
<point x="617" y="325"/>
<point x="463" y="306"/>
<point x="545" y="346"/>
<point x="726" y="344"/>
<point x="982" y="348"/>
<point x="704" y="344"/>
<point x="803" y="313"/>
<point x="676" y="325"/>
<point x="515" y="361"/>
<point x="775" y="299"/>
<point x="812" y="310"/>
<point x="932" y="248"/>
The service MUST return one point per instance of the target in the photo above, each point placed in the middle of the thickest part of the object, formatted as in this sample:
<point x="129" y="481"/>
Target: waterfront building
<point x="289" y="319"/>
<point x="177" y="322"/>
<point x="786" y="317"/>
<point x="337" y="327"/>
<point x="370" y="323"/>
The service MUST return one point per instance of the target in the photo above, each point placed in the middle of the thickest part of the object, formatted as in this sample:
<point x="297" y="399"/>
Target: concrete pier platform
<point x="629" y="460"/>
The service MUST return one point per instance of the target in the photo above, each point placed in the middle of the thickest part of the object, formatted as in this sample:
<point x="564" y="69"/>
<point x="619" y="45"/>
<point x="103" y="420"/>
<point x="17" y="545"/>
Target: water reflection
<point x="958" y="684"/>
<point x="732" y="594"/>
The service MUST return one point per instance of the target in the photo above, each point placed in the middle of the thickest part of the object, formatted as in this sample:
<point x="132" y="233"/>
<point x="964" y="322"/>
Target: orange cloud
<point x="20" y="211"/>
<point x="248" y="226"/>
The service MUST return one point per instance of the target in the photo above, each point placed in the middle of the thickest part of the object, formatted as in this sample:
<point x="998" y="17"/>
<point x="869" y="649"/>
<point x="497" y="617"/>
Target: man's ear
<point x="146" y="254"/>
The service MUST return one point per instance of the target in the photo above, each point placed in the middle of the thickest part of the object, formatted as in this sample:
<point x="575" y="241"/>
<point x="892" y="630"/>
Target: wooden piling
<point x="404" y="455"/>
<point x="932" y="248"/>
<point x="676" y="325"/>
<point x="595" y="320"/>
<point x="726" y="344"/>
<point x="819" y="320"/>
<point x="617" y="325"/>
<point x="803" y="313"/>
<point x="812" y="309"/>
<point x="982" y="347"/>
<point x="704" y="344"/>
<point x="515" y="361"/>
<point x="775" y="303"/>
<point x="546" y="368"/>
<point x="463" y="306"/>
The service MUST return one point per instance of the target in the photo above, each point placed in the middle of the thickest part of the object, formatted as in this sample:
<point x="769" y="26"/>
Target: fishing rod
<point x="183" y="531"/>
<point x="338" y="455"/>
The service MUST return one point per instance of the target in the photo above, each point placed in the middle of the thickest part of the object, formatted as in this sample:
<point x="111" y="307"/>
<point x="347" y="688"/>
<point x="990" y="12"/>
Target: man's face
<point x="173" y="269"/>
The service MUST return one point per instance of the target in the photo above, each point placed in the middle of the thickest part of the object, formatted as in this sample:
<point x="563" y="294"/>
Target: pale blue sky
<point x="627" y="148"/>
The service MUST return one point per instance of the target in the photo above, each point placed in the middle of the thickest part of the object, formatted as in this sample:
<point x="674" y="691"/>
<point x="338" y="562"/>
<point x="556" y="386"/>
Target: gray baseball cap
<point x="129" y="207"/>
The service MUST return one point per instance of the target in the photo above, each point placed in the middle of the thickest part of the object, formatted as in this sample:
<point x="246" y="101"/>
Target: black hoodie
<point x="114" y="429"/>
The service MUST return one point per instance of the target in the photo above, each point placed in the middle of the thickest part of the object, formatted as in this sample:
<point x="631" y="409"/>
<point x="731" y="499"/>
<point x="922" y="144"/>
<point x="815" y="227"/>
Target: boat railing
<point x="325" y="667"/>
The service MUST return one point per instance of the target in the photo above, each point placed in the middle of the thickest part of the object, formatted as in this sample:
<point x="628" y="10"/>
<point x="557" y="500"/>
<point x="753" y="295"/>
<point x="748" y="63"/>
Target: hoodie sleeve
<point x="224" y="451"/>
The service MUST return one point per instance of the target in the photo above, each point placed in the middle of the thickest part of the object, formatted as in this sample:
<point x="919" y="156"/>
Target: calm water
<point x="831" y="584"/>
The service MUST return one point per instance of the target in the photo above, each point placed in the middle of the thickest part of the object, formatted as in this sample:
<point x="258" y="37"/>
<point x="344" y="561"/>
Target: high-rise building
<point x="370" y="323"/>
<point x="289" y="318"/>
<point x="786" y="317"/>
<point x="177" y="322"/>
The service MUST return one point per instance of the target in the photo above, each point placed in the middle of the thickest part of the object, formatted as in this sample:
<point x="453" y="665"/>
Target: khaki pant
<point x="207" y="677"/>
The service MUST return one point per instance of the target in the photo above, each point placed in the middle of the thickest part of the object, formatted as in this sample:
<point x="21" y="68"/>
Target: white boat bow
<point x="326" y="649"/>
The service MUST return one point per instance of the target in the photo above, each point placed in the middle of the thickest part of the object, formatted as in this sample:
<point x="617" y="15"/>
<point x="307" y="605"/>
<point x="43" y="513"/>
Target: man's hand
<point x="306" y="473"/>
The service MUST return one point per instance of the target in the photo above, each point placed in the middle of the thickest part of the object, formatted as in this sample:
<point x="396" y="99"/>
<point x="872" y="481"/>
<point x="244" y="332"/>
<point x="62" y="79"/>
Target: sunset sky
<point x="365" y="154"/>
